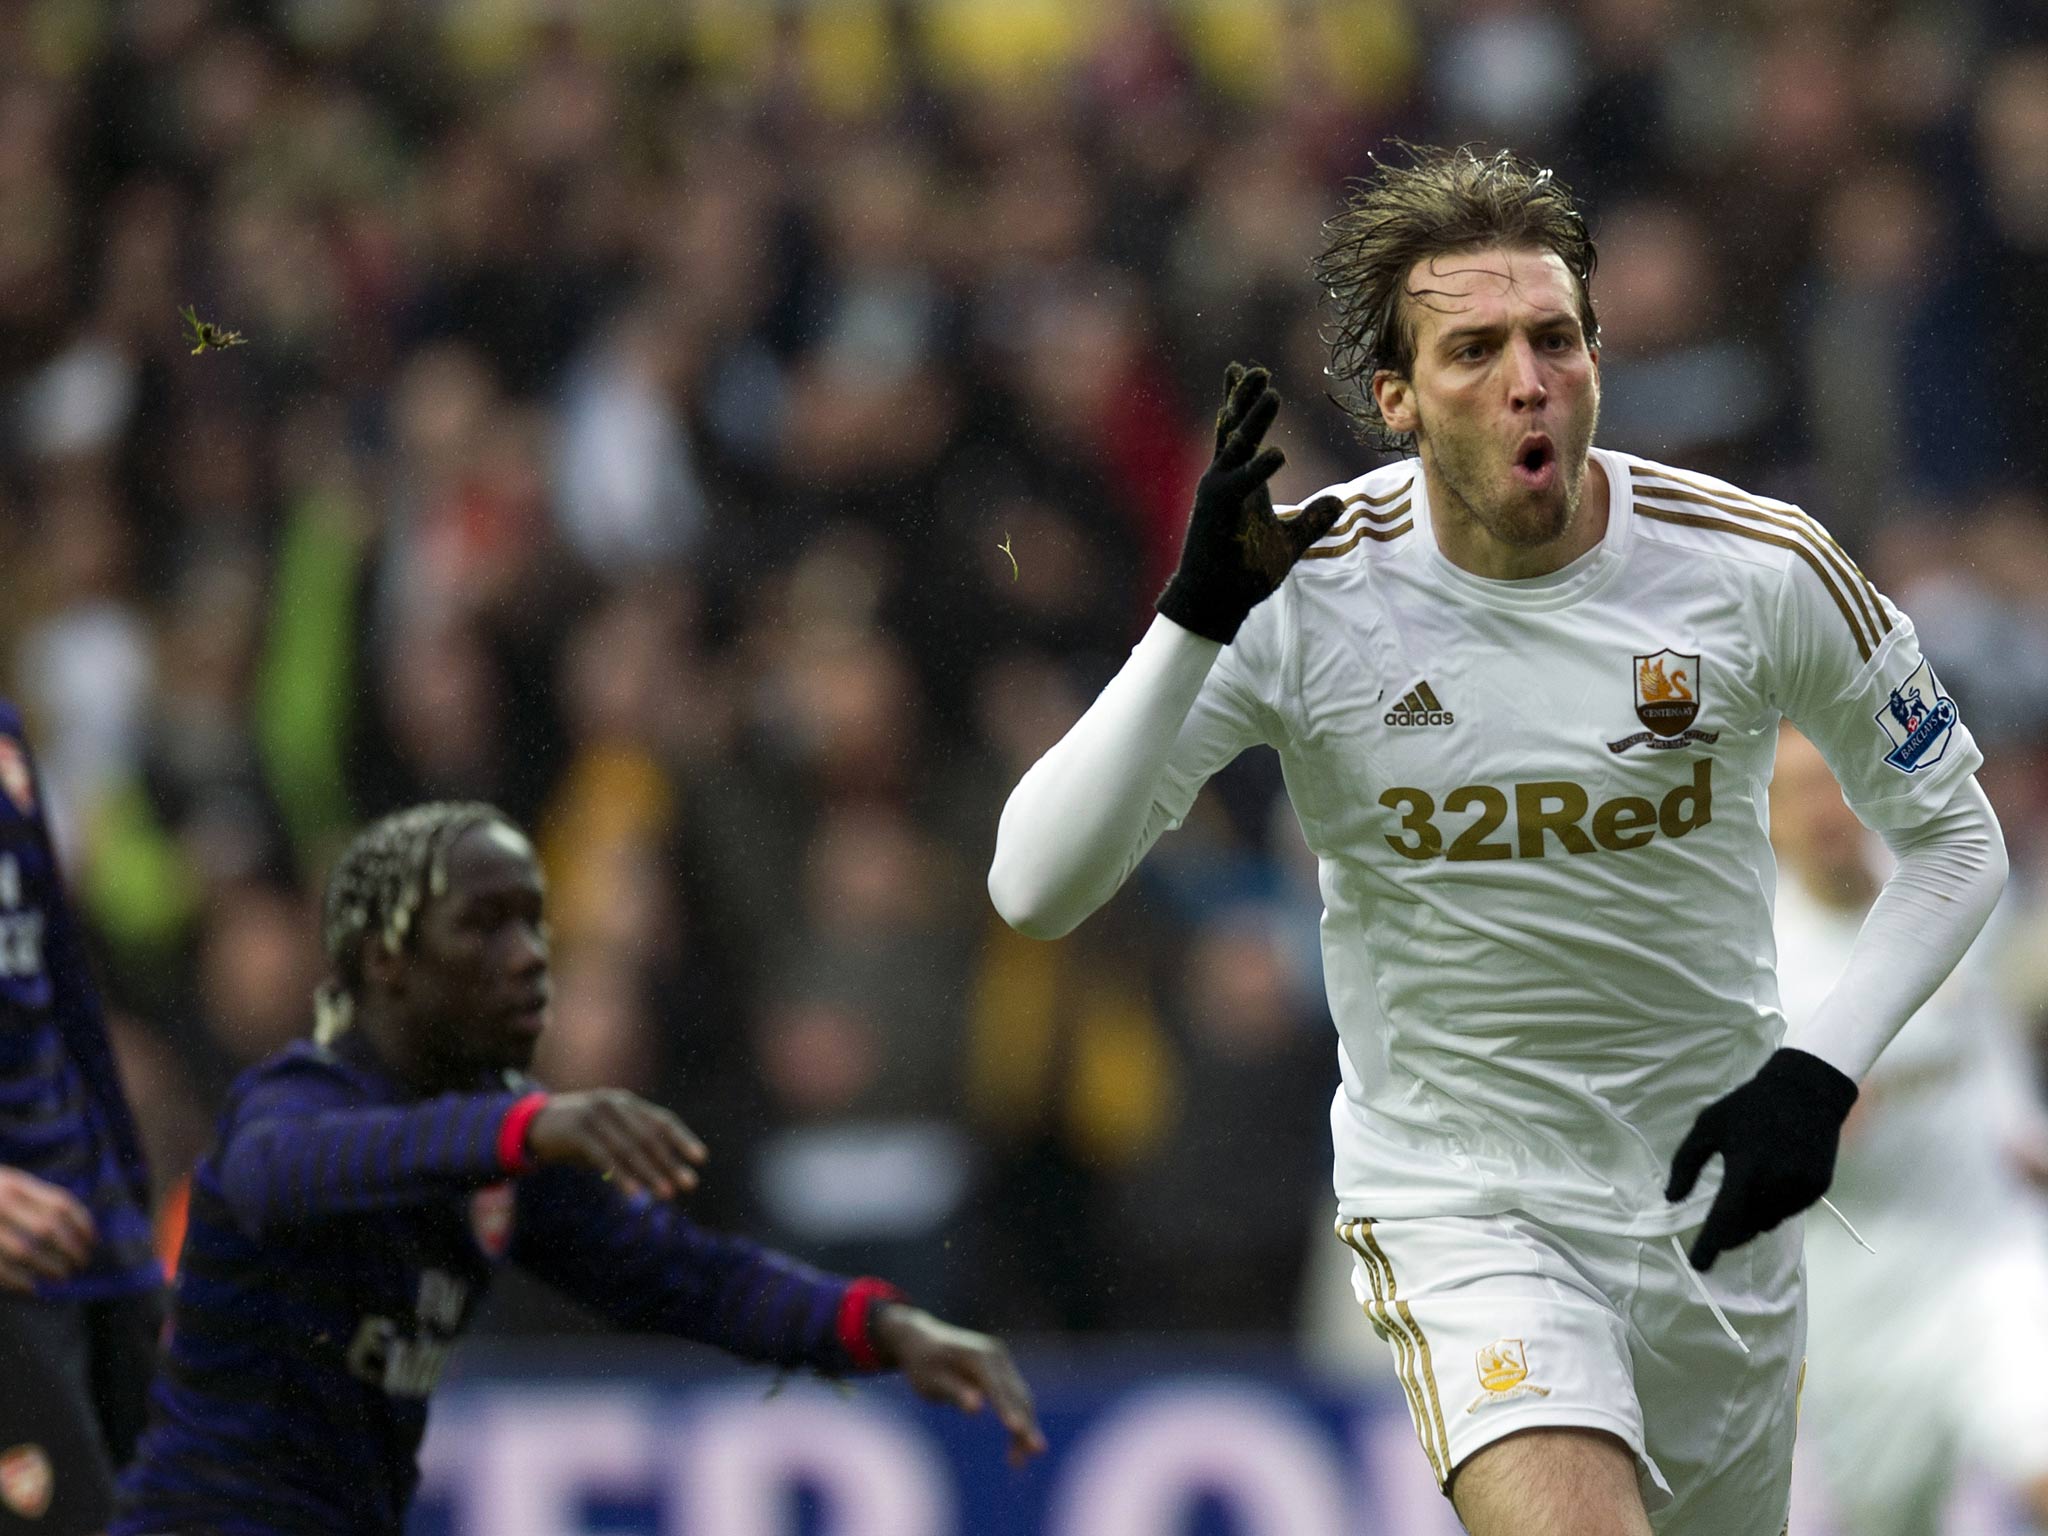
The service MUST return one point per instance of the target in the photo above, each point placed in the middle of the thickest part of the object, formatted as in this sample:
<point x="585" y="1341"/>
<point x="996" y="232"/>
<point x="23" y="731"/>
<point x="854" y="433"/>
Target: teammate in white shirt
<point x="1525" y="694"/>
<point x="1924" y="1354"/>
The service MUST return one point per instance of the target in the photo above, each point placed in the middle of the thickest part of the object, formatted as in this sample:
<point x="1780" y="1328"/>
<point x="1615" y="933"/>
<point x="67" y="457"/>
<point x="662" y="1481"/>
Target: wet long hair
<point x="377" y="890"/>
<point x="1431" y="202"/>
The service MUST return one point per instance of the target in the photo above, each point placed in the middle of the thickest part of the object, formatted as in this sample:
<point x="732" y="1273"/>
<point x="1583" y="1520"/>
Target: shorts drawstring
<point x="1699" y="1284"/>
<point x="1836" y="1213"/>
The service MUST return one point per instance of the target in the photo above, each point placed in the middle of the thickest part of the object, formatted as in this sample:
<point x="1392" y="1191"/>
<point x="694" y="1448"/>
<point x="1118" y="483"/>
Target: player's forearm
<point x="645" y="1266"/>
<point x="1949" y="875"/>
<point x="293" y="1167"/>
<point x="1080" y="819"/>
<point x="763" y="1305"/>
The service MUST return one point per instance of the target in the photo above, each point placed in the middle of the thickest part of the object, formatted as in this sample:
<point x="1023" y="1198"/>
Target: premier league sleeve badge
<point x="1919" y="720"/>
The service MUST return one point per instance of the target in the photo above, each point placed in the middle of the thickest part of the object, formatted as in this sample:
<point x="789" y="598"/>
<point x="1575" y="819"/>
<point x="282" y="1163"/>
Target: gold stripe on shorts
<point x="1422" y="1342"/>
<point x="1404" y="1350"/>
<point x="1390" y="1331"/>
<point x="1410" y="1347"/>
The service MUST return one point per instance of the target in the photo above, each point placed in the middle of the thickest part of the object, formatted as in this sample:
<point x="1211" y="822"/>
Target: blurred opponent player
<point x="1924" y="1355"/>
<point x="346" y="1225"/>
<point x="1526" y="695"/>
<point x="79" y="1287"/>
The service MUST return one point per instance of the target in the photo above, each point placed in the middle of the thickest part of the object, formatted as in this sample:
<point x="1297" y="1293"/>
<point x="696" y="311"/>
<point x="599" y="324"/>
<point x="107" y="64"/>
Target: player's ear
<point x="1394" y="394"/>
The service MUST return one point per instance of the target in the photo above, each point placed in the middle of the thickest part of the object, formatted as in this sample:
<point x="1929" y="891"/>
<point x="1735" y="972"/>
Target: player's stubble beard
<point x="1470" y="469"/>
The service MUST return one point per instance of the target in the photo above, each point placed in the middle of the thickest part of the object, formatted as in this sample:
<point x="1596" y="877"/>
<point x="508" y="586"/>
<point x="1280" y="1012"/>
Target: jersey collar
<point x="1560" y="588"/>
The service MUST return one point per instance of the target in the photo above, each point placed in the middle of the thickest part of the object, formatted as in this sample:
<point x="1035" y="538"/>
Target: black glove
<point x="1237" y="551"/>
<point x="1777" y="1136"/>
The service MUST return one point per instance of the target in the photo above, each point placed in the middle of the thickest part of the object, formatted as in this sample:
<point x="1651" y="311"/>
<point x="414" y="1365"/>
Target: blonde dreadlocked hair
<point x="378" y="888"/>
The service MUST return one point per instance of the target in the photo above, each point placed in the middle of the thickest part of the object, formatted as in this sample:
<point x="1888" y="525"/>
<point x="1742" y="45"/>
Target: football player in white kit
<point x="1526" y="694"/>
<point x="1923" y="1353"/>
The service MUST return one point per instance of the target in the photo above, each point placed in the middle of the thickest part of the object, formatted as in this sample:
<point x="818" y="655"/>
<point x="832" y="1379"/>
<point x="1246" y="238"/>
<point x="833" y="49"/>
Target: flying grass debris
<point x="206" y="334"/>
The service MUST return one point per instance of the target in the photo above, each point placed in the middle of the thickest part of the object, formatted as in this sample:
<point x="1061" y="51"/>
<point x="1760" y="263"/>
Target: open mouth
<point x="1535" y="461"/>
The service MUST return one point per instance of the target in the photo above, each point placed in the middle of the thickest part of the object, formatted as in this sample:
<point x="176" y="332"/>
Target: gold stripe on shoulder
<point x="1377" y="535"/>
<point x="1348" y="520"/>
<point x="1783" y="515"/>
<point x="1798" y="547"/>
<point x="1702" y="483"/>
<point x="1871" y="601"/>
<point x="1810" y="537"/>
<point x="1361" y="499"/>
<point x="1371" y="509"/>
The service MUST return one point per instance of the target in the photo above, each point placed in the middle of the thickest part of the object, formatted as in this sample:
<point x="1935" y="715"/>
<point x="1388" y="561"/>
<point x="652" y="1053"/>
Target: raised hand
<point x="640" y="1145"/>
<point x="1237" y="549"/>
<point x="953" y="1365"/>
<point x="45" y="1233"/>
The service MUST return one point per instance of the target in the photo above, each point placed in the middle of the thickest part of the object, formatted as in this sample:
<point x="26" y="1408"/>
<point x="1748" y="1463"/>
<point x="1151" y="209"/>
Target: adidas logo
<point x="1420" y="706"/>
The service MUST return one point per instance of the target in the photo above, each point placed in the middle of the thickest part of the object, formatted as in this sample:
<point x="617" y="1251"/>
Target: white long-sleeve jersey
<point x="1539" y="812"/>
<point x="1927" y="1163"/>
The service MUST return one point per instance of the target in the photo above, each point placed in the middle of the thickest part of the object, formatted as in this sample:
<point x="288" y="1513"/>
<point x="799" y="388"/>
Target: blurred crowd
<point x="736" y="437"/>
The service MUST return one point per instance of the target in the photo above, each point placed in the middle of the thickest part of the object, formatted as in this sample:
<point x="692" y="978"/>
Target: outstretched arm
<point x="296" y="1153"/>
<point x="646" y="1266"/>
<point x="1082" y="817"/>
<point x="296" y="1156"/>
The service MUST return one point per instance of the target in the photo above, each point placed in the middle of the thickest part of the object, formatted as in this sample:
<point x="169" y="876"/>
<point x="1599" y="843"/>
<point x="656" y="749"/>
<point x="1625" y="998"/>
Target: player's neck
<point x="395" y="1048"/>
<point x="1470" y="545"/>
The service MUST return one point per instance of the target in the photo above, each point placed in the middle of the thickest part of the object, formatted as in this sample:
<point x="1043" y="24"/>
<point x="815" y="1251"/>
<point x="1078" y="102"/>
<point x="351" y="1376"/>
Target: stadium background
<point x="637" y="398"/>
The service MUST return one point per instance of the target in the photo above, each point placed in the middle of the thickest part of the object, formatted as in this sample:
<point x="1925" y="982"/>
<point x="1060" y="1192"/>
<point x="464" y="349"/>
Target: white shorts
<point x="1923" y="1360"/>
<point x="1503" y="1323"/>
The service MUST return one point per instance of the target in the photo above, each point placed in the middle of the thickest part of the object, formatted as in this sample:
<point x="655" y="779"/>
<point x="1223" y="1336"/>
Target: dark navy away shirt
<point x="62" y="1114"/>
<point x="342" y="1233"/>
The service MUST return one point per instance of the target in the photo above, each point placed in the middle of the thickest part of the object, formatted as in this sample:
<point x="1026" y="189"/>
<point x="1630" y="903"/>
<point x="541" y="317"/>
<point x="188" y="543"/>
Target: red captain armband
<point x="856" y="1312"/>
<point x="512" y="1154"/>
